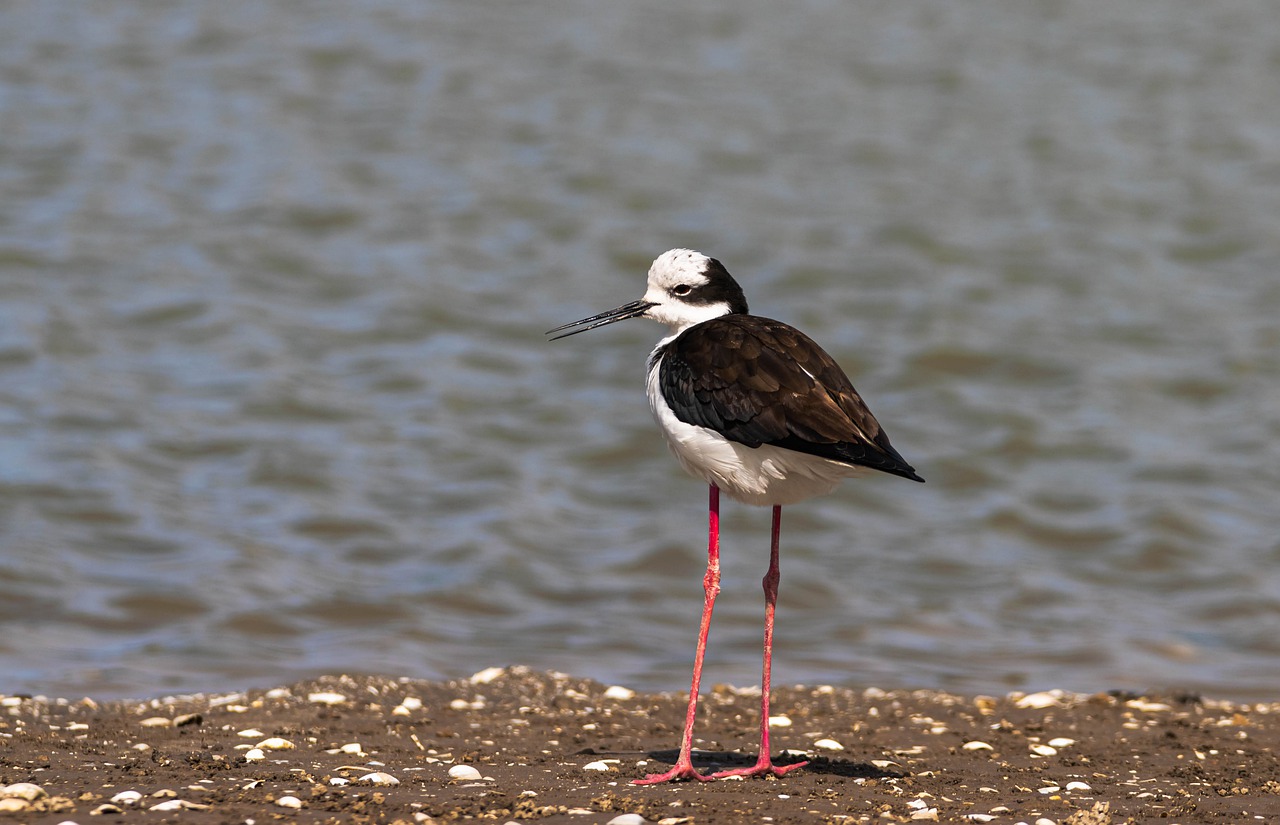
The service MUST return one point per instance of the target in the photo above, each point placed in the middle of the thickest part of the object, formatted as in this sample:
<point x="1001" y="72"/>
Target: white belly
<point x="761" y="475"/>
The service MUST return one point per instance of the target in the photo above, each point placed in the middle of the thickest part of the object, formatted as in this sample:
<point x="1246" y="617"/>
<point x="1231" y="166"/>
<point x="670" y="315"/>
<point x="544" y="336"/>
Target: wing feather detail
<point x="760" y="381"/>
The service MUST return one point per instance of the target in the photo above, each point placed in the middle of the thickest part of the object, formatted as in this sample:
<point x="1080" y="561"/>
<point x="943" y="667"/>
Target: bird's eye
<point x="681" y="289"/>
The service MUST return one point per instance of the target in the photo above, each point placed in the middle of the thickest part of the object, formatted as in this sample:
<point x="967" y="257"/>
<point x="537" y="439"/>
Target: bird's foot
<point x="762" y="767"/>
<point x="683" y="770"/>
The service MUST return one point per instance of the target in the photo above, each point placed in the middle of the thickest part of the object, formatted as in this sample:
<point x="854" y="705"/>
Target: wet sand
<point x="556" y="749"/>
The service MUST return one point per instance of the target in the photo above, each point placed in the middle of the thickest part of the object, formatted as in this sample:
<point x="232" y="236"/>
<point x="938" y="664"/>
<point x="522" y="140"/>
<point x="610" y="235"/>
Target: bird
<point x="755" y="408"/>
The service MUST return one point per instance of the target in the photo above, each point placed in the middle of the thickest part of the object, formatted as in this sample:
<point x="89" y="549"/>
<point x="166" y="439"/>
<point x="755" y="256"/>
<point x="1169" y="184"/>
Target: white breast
<point x="761" y="475"/>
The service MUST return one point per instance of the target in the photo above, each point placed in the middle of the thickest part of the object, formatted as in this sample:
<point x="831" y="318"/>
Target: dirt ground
<point x="550" y="748"/>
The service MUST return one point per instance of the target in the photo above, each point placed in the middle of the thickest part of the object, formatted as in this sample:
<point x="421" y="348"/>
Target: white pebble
<point x="975" y="745"/>
<point x="156" y="722"/>
<point x="289" y="802"/>
<point x="338" y="780"/>
<point x="930" y="814"/>
<point x="1044" y="820"/>
<point x="978" y="817"/>
<point x="379" y="778"/>
<point x="250" y="733"/>
<point x="126" y="798"/>
<point x="412" y="703"/>
<point x="254" y="755"/>
<point x="326" y="698"/>
<point x="10" y="805"/>
<point x="1062" y="742"/>
<point x="1044" y="750"/>
<point x="23" y="790"/>
<point x="1079" y="786"/>
<point x="487" y="675"/>
<point x="463" y="772"/>
<point x="1048" y="789"/>
<point x="626" y="819"/>
<point x="275" y="743"/>
<point x="828" y="745"/>
<point x="621" y="693"/>
<point x="779" y="721"/>
<point x="596" y="766"/>
<point x="352" y="748"/>
<point x="1038" y="700"/>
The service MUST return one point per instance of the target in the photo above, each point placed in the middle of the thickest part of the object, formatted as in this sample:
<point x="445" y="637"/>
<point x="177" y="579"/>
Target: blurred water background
<point x="275" y="398"/>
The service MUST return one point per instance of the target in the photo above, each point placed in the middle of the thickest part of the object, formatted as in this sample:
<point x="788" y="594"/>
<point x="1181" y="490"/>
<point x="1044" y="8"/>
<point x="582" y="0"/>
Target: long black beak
<point x="632" y="310"/>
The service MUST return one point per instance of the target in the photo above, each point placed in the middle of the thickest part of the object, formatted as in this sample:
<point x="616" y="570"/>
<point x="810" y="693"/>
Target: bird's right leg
<point x="683" y="769"/>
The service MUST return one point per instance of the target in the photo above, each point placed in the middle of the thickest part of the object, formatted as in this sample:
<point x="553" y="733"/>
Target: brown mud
<point x="554" y="749"/>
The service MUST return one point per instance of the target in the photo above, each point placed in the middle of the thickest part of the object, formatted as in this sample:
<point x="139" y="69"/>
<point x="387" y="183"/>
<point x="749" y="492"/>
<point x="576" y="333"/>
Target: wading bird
<point x="755" y="408"/>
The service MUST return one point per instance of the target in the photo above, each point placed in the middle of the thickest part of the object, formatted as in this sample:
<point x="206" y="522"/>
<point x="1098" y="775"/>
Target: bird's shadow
<point x="711" y="761"/>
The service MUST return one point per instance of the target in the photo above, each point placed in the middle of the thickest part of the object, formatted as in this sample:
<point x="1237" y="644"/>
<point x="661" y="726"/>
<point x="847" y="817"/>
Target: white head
<point x="685" y="288"/>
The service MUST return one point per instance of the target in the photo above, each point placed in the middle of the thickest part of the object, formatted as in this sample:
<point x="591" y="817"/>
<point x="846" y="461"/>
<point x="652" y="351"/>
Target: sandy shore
<point x="552" y="748"/>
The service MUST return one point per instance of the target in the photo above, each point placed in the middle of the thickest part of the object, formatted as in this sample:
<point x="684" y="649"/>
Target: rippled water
<point x="275" y="399"/>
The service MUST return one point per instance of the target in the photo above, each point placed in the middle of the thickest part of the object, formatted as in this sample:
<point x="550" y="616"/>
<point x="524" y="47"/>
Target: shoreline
<point x="553" y="748"/>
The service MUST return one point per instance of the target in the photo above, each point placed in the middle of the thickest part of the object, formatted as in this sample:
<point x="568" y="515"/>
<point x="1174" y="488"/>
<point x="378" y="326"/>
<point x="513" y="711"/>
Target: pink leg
<point x="683" y="768"/>
<point x="764" y="764"/>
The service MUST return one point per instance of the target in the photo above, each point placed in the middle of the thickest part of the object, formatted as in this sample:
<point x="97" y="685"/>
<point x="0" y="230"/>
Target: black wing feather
<point x="759" y="381"/>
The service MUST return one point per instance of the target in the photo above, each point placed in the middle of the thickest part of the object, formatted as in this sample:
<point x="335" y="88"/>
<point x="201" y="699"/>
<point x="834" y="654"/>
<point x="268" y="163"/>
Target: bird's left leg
<point x="764" y="765"/>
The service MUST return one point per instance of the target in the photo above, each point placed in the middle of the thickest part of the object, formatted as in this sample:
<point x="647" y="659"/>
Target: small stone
<point x="326" y="698"/>
<point x="978" y="817"/>
<point x="338" y="780"/>
<point x="622" y="694"/>
<point x="487" y="675"/>
<point x="975" y="745"/>
<point x="127" y="798"/>
<point x="10" y="805"/>
<point x="1044" y="820"/>
<point x="596" y="766"/>
<point x="178" y="805"/>
<point x="254" y="755"/>
<point x="463" y="773"/>
<point x="779" y="721"/>
<point x="28" y="791"/>
<point x="379" y="778"/>
<point x="1061" y="742"/>
<point x="411" y="703"/>
<point x="1038" y="700"/>
<point x="1048" y="789"/>
<point x="627" y="819"/>
<point x="275" y="743"/>
<point x="106" y="808"/>
<point x="353" y="748"/>
<point x="930" y="814"/>
<point x="828" y="745"/>
<point x="1044" y="750"/>
<point x="289" y="802"/>
<point x="250" y="733"/>
<point x="1079" y="786"/>
<point x="156" y="722"/>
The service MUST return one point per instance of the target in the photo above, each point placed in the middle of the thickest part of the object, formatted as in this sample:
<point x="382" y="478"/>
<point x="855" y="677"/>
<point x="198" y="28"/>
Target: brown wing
<point x="759" y="381"/>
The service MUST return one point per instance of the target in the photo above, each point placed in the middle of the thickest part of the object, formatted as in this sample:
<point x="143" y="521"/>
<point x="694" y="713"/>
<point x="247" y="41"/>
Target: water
<point x="275" y="399"/>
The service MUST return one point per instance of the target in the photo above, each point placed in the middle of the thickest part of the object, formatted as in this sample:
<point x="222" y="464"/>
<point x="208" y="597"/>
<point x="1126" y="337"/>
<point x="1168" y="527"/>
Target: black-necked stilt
<point x="758" y="410"/>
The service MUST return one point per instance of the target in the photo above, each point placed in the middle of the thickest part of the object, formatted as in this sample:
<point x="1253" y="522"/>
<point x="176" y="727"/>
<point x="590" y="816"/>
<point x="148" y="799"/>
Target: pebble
<point x="487" y="675"/>
<point x="250" y="733"/>
<point x="779" y="721"/>
<point x="338" y="780"/>
<point x="1038" y="700"/>
<point x="1044" y="750"/>
<point x="275" y="743"/>
<point x="178" y="805"/>
<point x="10" y="805"/>
<point x="127" y="798"/>
<point x="254" y="755"/>
<point x="106" y="808"/>
<point x="379" y="778"/>
<point x="156" y="722"/>
<point x="1079" y="786"/>
<point x="352" y="748"/>
<point x="463" y="772"/>
<point x="828" y="745"/>
<point x="289" y="802"/>
<point x="627" y="819"/>
<point x="596" y="766"/>
<point x="326" y="698"/>
<point x="978" y="817"/>
<point x="28" y="791"/>
<point x="1061" y="742"/>
<point x="975" y="745"/>
<point x="621" y="693"/>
